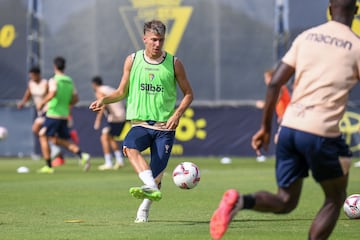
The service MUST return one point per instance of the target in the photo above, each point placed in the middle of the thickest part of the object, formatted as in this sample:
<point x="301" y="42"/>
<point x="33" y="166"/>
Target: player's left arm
<point x="74" y="98"/>
<point x="187" y="91"/>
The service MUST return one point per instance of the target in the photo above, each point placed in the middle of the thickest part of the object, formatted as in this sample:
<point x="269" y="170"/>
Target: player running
<point x="62" y="94"/>
<point x="326" y="63"/>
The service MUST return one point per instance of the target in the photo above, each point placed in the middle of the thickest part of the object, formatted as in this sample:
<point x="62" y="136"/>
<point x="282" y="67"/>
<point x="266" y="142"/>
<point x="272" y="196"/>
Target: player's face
<point x="34" y="77"/>
<point x="153" y="44"/>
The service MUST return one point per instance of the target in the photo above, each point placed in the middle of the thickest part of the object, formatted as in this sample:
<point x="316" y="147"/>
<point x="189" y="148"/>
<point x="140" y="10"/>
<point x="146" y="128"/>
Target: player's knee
<point x="42" y="132"/>
<point x="130" y="152"/>
<point x="286" y="210"/>
<point x="104" y="138"/>
<point x="35" y="129"/>
<point x="337" y="200"/>
<point x="73" y="148"/>
<point x="288" y="205"/>
<point x="53" y="140"/>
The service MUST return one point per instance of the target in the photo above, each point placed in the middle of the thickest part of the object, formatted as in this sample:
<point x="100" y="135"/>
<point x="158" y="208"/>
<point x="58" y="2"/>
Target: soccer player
<point x="149" y="83"/>
<point x="36" y="90"/>
<point x="115" y="116"/>
<point x="62" y="94"/>
<point x="326" y="63"/>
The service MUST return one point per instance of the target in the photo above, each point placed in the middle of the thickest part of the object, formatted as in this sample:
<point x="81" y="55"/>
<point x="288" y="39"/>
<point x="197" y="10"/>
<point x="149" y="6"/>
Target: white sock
<point x="144" y="209"/>
<point x="108" y="160"/>
<point x="119" y="158"/>
<point x="55" y="150"/>
<point x="145" y="205"/>
<point x="147" y="178"/>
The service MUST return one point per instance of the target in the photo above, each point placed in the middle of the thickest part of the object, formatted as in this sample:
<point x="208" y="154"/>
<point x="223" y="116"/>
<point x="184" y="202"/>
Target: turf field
<point x="35" y="206"/>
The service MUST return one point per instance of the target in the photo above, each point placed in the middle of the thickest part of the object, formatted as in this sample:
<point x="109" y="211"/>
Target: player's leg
<point x="105" y="144"/>
<point x="326" y="218"/>
<point x="37" y="124"/>
<point x="115" y="130"/>
<point x="117" y="154"/>
<point x="284" y="201"/>
<point x="137" y="140"/>
<point x="56" y="155"/>
<point x="63" y="139"/>
<point x="142" y="214"/>
<point x="291" y="168"/>
<point x="45" y="148"/>
<point x="331" y="171"/>
<point x="160" y="154"/>
<point x="48" y="130"/>
<point x="75" y="149"/>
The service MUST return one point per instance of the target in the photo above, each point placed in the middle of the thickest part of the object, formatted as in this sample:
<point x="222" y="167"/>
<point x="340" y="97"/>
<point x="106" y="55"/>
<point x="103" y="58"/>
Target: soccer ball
<point x="186" y="175"/>
<point x="352" y="206"/>
<point x="3" y="133"/>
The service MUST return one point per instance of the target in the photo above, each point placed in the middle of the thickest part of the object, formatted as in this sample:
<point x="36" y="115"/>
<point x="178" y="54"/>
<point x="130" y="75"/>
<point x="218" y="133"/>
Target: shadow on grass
<point x="273" y="220"/>
<point x="189" y="222"/>
<point x="182" y="222"/>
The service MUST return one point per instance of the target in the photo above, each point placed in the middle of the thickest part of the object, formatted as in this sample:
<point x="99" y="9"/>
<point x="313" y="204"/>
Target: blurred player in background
<point x="326" y="63"/>
<point x="284" y="96"/>
<point x="149" y="83"/>
<point x="62" y="94"/>
<point x="36" y="91"/>
<point x="281" y="104"/>
<point x="115" y="117"/>
<point x="56" y="152"/>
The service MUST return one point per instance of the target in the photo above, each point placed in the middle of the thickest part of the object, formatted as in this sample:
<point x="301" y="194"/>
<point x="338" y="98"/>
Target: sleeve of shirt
<point x="291" y="55"/>
<point x="52" y="85"/>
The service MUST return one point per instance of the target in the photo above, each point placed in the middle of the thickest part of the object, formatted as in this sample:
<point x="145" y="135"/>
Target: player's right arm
<point x="121" y="92"/>
<point x="100" y="113"/>
<point x="25" y="99"/>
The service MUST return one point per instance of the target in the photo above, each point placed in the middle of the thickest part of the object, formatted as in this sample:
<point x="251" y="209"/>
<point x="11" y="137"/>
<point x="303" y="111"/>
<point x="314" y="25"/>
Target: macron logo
<point x="330" y="40"/>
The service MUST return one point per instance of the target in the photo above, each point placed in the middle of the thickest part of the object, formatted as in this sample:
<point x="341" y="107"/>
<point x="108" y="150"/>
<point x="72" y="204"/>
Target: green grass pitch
<point x="35" y="206"/>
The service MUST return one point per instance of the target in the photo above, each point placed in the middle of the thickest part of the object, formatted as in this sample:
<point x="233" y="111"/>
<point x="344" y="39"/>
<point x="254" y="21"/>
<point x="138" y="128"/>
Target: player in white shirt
<point x="36" y="90"/>
<point x="115" y="117"/>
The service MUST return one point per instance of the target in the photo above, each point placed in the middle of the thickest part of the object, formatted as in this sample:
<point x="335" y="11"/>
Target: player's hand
<point x="96" y="105"/>
<point x="173" y="122"/>
<point x="96" y="125"/>
<point x="261" y="139"/>
<point x="20" y="105"/>
<point x="39" y="106"/>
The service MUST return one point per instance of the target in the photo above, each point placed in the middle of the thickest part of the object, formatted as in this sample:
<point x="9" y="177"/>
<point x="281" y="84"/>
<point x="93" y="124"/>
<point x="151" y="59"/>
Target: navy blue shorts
<point x="160" y="143"/>
<point x="115" y="128"/>
<point x="56" y="128"/>
<point x="297" y="152"/>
